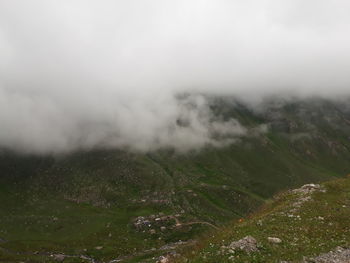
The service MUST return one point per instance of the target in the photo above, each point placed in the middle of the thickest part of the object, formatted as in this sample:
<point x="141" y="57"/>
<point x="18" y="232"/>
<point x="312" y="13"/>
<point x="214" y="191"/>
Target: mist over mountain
<point x="167" y="131"/>
<point x="86" y="74"/>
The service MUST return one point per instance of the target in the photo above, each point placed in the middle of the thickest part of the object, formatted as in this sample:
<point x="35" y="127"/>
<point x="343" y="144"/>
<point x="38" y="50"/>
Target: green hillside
<point x="105" y="205"/>
<point x="310" y="224"/>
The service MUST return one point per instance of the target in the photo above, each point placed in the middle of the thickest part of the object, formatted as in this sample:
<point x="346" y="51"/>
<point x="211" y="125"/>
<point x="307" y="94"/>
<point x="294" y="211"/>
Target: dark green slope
<point x="75" y="203"/>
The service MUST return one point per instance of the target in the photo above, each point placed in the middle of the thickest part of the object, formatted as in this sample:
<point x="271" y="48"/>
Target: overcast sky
<point x="80" y="73"/>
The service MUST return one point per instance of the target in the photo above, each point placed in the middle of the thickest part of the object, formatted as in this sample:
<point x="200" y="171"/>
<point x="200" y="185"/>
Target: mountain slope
<point x="106" y="204"/>
<point x="302" y="225"/>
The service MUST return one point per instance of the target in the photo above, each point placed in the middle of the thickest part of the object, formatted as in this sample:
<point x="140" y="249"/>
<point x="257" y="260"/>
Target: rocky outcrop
<point x="247" y="244"/>
<point x="339" y="255"/>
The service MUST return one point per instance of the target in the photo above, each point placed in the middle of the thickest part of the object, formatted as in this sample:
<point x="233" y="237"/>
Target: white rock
<point x="247" y="244"/>
<point x="164" y="259"/>
<point x="274" y="240"/>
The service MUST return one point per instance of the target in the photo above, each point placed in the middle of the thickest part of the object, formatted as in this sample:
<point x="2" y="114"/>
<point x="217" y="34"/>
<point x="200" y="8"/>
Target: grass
<point x="319" y="226"/>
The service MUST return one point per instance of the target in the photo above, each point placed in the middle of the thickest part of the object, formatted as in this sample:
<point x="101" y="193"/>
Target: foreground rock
<point x="308" y="189"/>
<point x="247" y="244"/>
<point x="339" y="255"/>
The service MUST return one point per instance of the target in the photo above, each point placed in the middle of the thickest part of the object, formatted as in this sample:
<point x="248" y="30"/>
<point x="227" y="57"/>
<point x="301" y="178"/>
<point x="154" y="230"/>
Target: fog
<point x="85" y="74"/>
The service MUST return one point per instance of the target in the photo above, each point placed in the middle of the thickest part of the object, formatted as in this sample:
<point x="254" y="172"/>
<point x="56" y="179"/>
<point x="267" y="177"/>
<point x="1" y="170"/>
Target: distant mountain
<point x="108" y="205"/>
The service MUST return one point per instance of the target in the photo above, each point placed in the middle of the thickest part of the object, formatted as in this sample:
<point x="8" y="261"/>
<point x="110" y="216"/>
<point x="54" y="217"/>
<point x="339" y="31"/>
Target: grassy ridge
<point x="318" y="226"/>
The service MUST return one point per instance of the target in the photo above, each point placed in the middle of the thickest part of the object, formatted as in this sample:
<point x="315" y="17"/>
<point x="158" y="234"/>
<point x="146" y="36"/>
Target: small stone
<point x="231" y="251"/>
<point x="163" y="259"/>
<point x="274" y="240"/>
<point x="59" y="257"/>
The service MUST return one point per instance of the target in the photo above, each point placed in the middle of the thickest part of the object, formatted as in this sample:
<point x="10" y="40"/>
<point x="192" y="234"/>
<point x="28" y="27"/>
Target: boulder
<point x="247" y="244"/>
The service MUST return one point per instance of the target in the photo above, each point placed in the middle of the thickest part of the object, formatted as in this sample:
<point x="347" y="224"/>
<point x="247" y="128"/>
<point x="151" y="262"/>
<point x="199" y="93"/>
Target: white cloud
<point x="84" y="73"/>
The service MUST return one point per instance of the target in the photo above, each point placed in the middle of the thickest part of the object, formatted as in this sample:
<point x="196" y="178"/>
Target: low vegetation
<point x="297" y="226"/>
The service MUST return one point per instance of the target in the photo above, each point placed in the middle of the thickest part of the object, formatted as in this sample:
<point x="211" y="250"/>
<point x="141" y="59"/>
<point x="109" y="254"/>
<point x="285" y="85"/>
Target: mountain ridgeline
<point x="104" y="205"/>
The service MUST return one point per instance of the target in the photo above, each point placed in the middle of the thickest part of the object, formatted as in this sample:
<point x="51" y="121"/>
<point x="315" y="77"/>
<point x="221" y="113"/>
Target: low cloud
<point x="84" y="74"/>
<point x="42" y="125"/>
